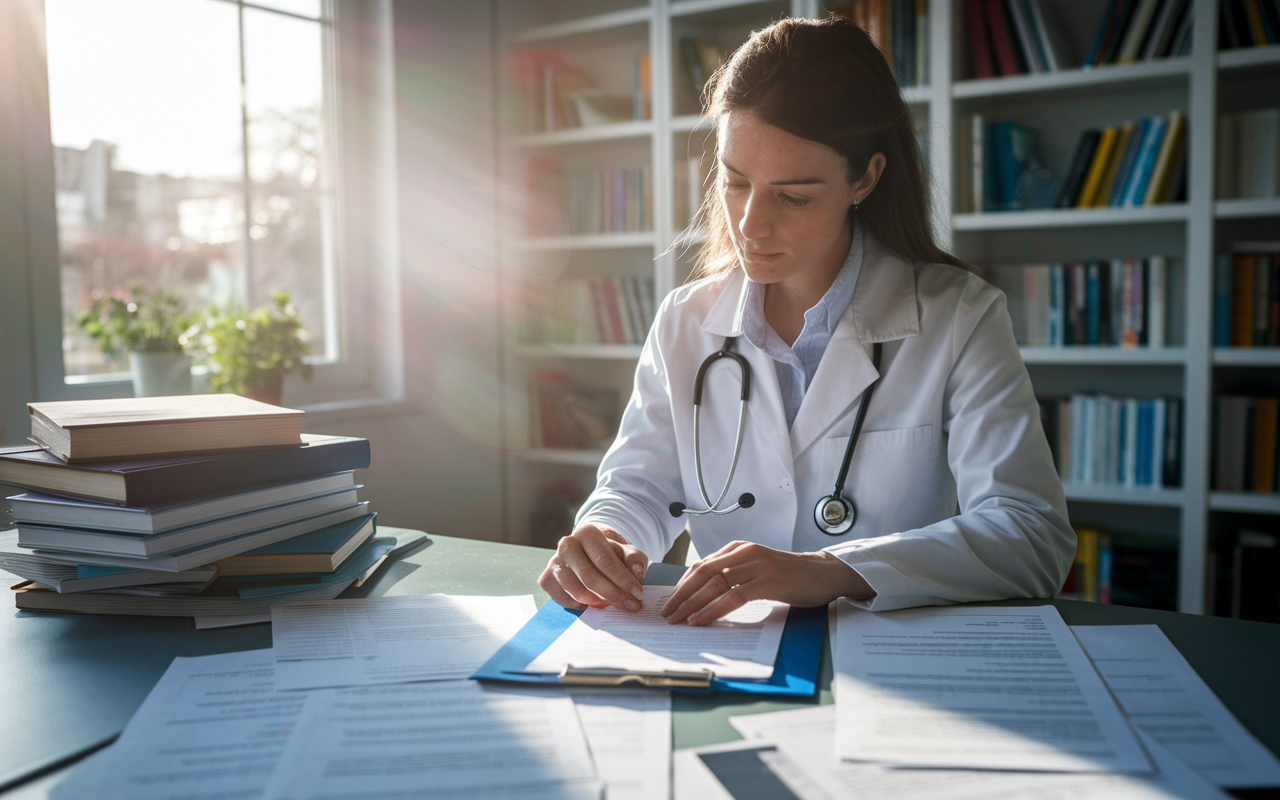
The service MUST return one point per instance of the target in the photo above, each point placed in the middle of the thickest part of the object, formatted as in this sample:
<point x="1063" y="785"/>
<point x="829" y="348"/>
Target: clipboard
<point x="795" y="673"/>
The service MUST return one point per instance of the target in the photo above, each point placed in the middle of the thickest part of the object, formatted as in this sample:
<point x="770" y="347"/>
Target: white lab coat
<point x="957" y="496"/>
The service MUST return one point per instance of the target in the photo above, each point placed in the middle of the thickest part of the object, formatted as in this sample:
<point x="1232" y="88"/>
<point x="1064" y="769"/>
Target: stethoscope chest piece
<point x="834" y="515"/>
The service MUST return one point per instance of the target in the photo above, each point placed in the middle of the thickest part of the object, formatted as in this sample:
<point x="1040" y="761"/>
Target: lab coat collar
<point x="884" y="306"/>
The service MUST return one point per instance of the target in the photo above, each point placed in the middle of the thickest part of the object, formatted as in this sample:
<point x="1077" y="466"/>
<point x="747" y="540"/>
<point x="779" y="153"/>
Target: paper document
<point x="807" y="737"/>
<point x="740" y="771"/>
<point x="629" y="733"/>
<point x="975" y="688"/>
<point x="455" y="739"/>
<point x="1167" y="699"/>
<point x="741" y="646"/>
<point x="380" y="640"/>
<point x="213" y="727"/>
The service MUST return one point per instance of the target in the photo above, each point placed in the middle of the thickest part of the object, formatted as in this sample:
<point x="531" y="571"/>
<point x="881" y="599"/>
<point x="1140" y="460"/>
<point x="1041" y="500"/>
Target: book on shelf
<point x="900" y="28"/>
<point x="555" y="94"/>
<point x="1248" y="23"/>
<point x="571" y="415"/>
<point x="1246" y="296"/>
<point x="131" y="427"/>
<point x="43" y="509"/>
<point x="589" y="201"/>
<point x="1116" y="441"/>
<point x="1123" y="569"/>
<point x="1245" y="431"/>
<point x="158" y="482"/>
<point x="1140" y="30"/>
<point x="692" y="181"/>
<point x="1122" y="302"/>
<point x="589" y="311"/>
<point x="1248" y="157"/>
<point x="1001" y="168"/>
<point x="699" y="60"/>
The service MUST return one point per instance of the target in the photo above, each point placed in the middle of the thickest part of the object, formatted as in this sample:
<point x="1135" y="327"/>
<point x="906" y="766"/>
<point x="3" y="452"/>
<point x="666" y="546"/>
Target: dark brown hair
<point x="826" y="81"/>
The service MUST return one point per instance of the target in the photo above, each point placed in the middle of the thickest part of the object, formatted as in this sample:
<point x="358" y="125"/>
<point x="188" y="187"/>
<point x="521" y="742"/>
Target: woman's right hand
<point x="595" y="567"/>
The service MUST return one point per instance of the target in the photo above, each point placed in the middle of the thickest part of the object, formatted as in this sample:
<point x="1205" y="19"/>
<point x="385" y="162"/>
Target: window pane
<point x="289" y="169"/>
<point x="307" y="8"/>
<point x="146" y="124"/>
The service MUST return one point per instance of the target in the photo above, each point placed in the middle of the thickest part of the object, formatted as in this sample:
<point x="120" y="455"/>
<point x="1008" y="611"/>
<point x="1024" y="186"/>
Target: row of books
<point x="1000" y="168"/>
<point x="1123" y="569"/>
<point x="1245" y="431"/>
<point x="570" y="415"/>
<point x="692" y="180"/>
<point x="554" y="94"/>
<point x="900" y="28"/>
<point x="1123" y="302"/>
<point x="188" y="506"/>
<point x="1242" y="570"/>
<point x="589" y="311"/>
<point x="700" y="60"/>
<point x="1016" y="37"/>
<point x="1138" y="163"/>
<point x="1246" y="296"/>
<point x="1118" y="441"/>
<point x="1248" y="23"/>
<point x="1248" y="162"/>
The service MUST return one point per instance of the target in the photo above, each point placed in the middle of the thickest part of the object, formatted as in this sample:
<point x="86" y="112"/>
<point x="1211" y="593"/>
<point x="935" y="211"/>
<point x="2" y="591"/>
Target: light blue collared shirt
<point x="797" y="364"/>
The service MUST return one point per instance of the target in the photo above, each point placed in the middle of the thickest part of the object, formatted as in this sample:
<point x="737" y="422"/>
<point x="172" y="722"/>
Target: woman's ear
<point x="864" y="185"/>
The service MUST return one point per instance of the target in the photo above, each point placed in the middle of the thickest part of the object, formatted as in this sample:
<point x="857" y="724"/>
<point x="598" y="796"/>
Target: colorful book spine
<point x="1100" y="439"/>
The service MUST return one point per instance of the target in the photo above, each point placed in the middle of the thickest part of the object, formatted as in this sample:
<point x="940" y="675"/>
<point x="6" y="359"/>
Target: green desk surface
<point x="72" y="681"/>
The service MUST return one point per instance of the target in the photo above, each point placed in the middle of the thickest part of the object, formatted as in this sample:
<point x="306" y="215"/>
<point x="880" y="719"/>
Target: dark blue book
<point x="1222" y="269"/>
<point x="1100" y="37"/>
<point x="1092" y="304"/>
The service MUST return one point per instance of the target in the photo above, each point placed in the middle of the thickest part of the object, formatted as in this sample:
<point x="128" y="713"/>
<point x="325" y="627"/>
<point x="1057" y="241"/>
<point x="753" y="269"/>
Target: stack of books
<point x="1246" y="296"/>
<point x="1122" y="302"/>
<point x="589" y="311"/>
<point x="211" y="505"/>
<point x="1118" y="441"/>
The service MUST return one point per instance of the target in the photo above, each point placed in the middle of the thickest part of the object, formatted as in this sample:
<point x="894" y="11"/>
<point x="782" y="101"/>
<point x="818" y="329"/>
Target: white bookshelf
<point x="1061" y="105"/>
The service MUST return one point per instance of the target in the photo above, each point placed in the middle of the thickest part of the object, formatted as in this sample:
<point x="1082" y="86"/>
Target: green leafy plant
<point x="137" y="320"/>
<point x="250" y="352"/>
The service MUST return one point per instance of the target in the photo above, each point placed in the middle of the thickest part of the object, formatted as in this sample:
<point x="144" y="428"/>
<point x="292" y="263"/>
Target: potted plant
<point x="152" y="327"/>
<point x="250" y="353"/>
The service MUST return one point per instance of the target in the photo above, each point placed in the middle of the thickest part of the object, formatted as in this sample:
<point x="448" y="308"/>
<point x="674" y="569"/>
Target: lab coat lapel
<point x="884" y="308"/>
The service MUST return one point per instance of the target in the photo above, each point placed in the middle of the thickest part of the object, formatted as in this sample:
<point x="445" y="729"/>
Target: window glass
<point x="307" y="8"/>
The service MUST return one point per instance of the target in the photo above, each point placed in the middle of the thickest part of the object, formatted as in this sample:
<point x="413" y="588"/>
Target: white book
<point x="1259" y="159"/>
<point x="1157" y="301"/>
<point x="1112" y="441"/>
<point x="1138" y="27"/>
<point x="1088" y="438"/>
<point x="1130" y="447"/>
<point x="1026" y="36"/>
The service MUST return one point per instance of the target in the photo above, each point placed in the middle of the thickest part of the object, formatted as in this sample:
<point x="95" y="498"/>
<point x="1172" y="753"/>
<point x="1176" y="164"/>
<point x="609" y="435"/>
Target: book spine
<point x="1093" y="305"/>
<point x="1117" y="269"/>
<point x="1055" y="306"/>
<point x="979" y="45"/>
<point x="1156" y="301"/>
<point x="1124" y="170"/>
<point x="1261" y="299"/>
<point x="1100" y="35"/>
<point x="1080" y="162"/>
<point x="1002" y="38"/>
<point x="1173" y="442"/>
<point x="1031" y="54"/>
<point x="1159" y="419"/>
<point x="1097" y="168"/>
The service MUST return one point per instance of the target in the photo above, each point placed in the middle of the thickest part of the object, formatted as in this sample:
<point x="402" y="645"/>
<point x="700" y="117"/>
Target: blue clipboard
<point x="795" y="673"/>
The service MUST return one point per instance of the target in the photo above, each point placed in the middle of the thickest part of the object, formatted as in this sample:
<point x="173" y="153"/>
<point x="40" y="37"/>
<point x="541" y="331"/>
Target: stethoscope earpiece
<point x="834" y="514"/>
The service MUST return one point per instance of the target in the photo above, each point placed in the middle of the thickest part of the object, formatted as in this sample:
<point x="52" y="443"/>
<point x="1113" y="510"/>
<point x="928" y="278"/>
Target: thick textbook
<point x="319" y="551"/>
<point x="155" y="482"/>
<point x="130" y="427"/>
<point x="41" y="509"/>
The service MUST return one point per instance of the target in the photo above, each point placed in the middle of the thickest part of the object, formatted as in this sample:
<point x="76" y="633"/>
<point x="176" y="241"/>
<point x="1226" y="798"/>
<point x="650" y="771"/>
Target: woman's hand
<point x="595" y="567"/>
<point x="741" y="572"/>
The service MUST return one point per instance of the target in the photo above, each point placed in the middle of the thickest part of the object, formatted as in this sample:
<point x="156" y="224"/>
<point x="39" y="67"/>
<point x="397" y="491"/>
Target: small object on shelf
<point x="601" y="107"/>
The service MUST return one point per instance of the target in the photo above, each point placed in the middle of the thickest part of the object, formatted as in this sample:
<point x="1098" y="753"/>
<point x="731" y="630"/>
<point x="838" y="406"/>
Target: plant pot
<point x="160" y="374"/>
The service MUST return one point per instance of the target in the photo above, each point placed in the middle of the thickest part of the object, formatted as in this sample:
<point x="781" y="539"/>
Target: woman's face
<point x="787" y="201"/>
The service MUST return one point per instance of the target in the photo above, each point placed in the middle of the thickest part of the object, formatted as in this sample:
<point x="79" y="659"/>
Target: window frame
<point x="360" y="93"/>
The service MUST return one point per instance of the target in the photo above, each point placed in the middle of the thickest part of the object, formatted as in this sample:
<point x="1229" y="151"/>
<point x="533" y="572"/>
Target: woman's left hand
<point x="741" y="572"/>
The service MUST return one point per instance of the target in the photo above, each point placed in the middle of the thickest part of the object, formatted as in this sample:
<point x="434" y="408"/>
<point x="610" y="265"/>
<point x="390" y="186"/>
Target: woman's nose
<point x="755" y="222"/>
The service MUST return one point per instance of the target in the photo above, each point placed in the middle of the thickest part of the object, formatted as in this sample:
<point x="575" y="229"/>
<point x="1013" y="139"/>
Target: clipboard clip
<point x="582" y="676"/>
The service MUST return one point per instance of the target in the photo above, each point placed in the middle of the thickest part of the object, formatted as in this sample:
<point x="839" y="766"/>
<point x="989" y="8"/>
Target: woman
<point x="821" y="273"/>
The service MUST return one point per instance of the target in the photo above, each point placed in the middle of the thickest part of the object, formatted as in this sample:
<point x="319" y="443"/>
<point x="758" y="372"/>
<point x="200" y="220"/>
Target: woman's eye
<point x="794" y="202"/>
<point x="735" y="187"/>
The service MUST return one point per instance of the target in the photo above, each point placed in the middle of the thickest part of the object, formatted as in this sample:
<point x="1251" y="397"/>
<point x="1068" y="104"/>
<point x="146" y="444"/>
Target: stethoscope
<point x="834" y="513"/>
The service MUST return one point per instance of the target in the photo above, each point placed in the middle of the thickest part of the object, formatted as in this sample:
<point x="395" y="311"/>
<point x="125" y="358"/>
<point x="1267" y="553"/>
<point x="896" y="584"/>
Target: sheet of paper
<point x="213" y="727"/>
<point x="740" y="771"/>
<point x="381" y="640"/>
<point x="742" y="645"/>
<point x="975" y="688"/>
<point x="1165" y="698"/>
<point x="208" y="623"/>
<point x="807" y="736"/>
<point x="457" y="738"/>
<point x="629" y="733"/>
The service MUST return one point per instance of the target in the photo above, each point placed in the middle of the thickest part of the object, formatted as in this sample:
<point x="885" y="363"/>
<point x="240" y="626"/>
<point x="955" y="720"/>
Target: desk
<point x="70" y="682"/>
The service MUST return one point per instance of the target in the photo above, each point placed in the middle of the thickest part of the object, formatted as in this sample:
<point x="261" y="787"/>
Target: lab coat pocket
<point x="893" y="478"/>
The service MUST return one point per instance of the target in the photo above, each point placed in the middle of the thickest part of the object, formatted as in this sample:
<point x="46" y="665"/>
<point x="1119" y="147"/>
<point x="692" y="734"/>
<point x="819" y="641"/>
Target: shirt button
<point x="785" y="486"/>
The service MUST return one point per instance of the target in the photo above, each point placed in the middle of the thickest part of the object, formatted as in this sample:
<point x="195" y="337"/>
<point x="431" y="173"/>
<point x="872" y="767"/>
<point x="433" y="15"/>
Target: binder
<point x="795" y="673"/>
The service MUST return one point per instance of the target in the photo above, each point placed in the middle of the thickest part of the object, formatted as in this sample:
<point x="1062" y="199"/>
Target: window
<point x="222" y="150"/>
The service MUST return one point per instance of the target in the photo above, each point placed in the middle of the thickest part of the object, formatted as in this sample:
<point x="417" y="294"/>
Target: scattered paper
<point x="741" y="646"/>
<point x="629" y="733"/>
<point x="455" y="739"/>
<point x="807" y="737"/>
<point x="381" y="640"/>
<point x="975" y="688"/>
<point x="1166" y="699"/>
<point x="234" y="620"/>
<point x="213" y="727"/>
<point x="740" y="771"/>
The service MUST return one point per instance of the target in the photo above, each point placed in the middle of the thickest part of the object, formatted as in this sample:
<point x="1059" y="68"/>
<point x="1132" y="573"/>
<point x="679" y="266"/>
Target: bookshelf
<point x="1060" y="104"/>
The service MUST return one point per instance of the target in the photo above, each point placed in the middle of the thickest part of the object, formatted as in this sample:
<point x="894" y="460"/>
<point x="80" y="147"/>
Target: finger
<point x="701" y="573"/>
<point x="573" y="587"/>
<point x="637" y="562"/>
<point x="584" y="568"/>
<point x="724" y="605"/>
<point x="715" y="587"/>
<point x="609" y="562"/>
<point x="551" y="585"/>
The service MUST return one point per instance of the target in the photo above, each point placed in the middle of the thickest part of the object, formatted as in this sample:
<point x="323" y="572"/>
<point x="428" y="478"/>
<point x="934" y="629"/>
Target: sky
<point x="161" y="78"/>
